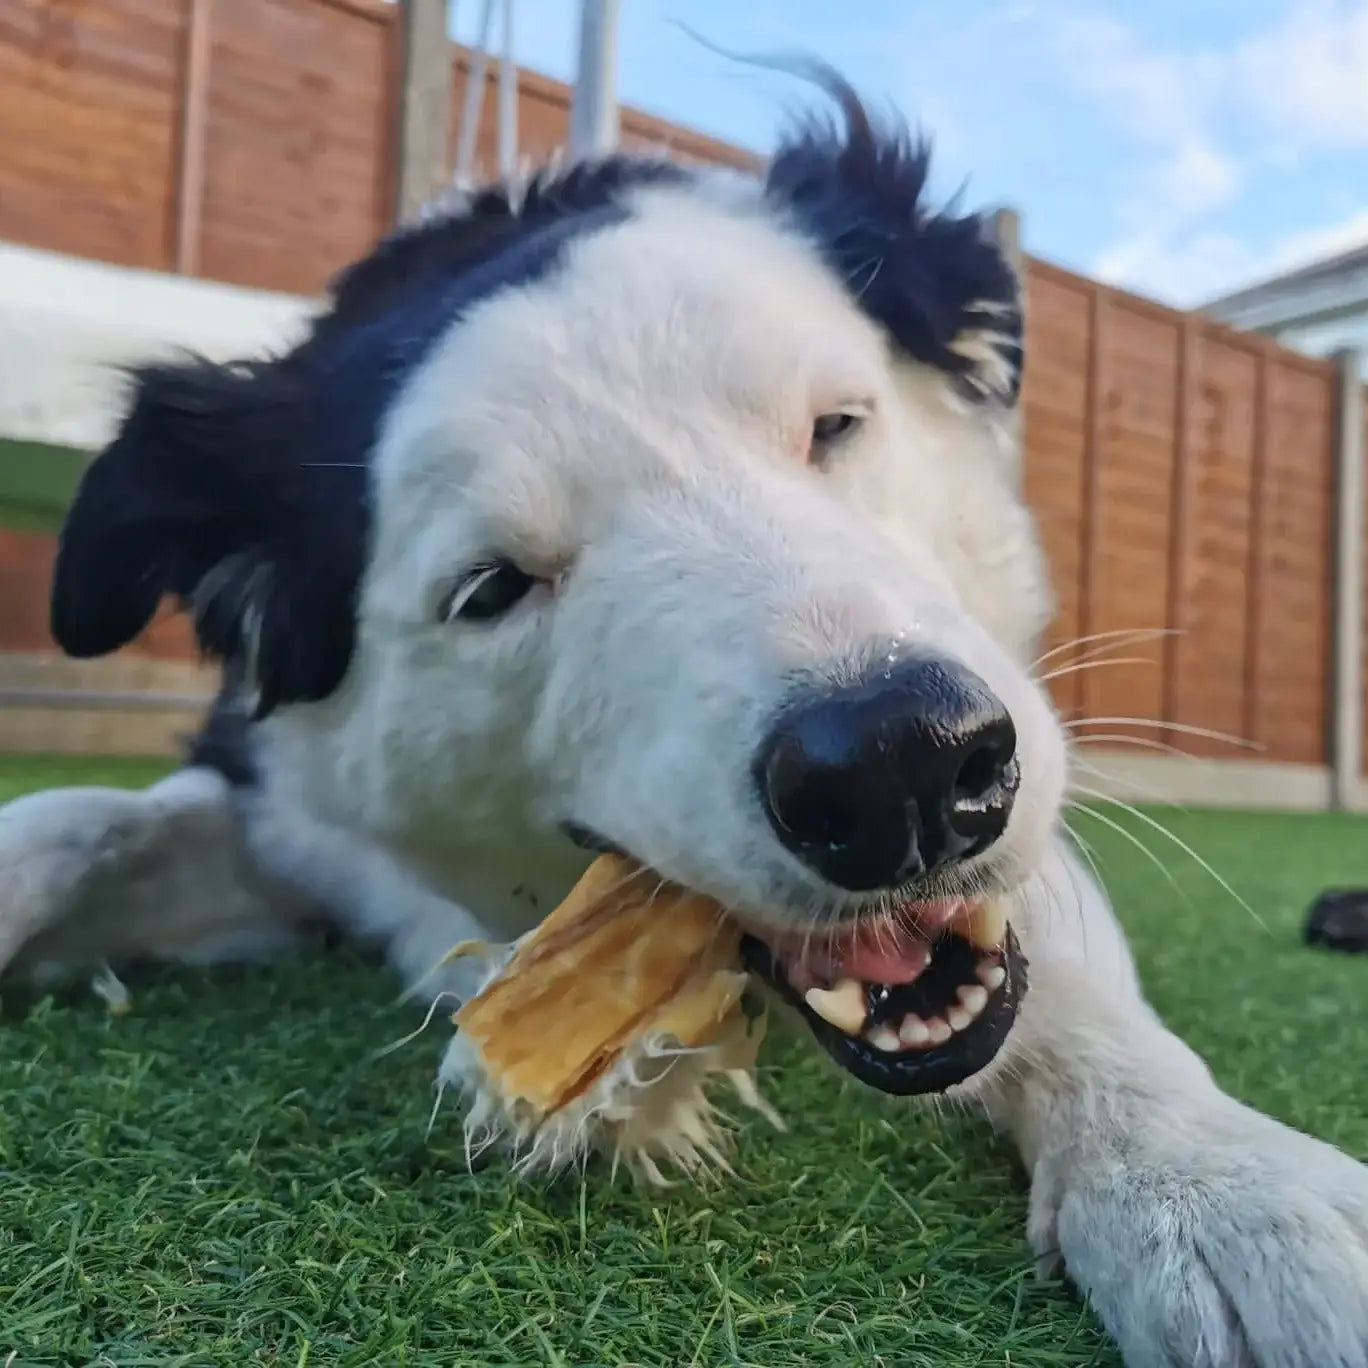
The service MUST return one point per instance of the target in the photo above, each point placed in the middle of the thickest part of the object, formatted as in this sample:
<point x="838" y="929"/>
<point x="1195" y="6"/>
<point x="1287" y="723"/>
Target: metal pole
<point x="1346" y="739"/>
<point x="473" y="105"/>
<point x="508" y="99"/>
<point x="593" y="112"/>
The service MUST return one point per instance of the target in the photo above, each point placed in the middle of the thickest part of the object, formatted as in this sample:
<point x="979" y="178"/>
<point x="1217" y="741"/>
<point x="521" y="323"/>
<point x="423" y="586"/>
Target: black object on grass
<point x="1338" y="920"/>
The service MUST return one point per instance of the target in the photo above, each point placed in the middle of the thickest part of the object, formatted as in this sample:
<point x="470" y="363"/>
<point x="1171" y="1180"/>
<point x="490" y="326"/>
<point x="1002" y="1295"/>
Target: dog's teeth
<point x="973" y="998"/>
<point x="958" y="1018"/>
<point x="992" y="976"/>
<point x="913" y="1033"/>
<point x="843" y="1006"/>
<point x="938" y="1031"/>
<point x="985" y="924"/>
<point x="885" y="1039"/>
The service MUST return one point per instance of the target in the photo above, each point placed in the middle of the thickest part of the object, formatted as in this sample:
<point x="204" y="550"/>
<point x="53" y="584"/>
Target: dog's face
<point x="665" y="512"/>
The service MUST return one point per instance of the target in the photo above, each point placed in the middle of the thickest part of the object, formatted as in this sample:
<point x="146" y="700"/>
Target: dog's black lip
<point x="908" y="1074"/>
<point x="913" y="1072"/>
<point x="588" y="839"/>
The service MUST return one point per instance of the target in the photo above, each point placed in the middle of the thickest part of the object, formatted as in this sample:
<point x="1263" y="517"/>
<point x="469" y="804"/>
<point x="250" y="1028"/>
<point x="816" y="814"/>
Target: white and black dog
<point x="669" y="510"/>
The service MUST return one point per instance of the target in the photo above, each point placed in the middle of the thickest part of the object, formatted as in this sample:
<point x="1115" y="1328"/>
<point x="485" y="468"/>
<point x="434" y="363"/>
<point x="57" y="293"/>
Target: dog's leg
<point x="373" y="897"/>
<point x="93" y="876"/>
<point x="1205" y="1234"/>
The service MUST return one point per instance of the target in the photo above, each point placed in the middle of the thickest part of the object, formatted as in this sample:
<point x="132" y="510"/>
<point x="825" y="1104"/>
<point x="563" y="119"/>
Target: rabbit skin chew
<point x="604" y="1025"/>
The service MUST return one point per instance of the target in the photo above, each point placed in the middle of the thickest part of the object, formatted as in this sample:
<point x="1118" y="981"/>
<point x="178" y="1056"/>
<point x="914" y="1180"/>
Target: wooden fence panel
<point x="1054" y="423"/>
<point x="25" y="582"/>
<point x="256" y="149"/>
<point x="1209" y="652"/>
<point x="89" y="107"/>
<point x="1182" y="474"/>
<point x="1126" y="588"/>
<point x="1292" y="576"/>
<point x="297" y="142"/>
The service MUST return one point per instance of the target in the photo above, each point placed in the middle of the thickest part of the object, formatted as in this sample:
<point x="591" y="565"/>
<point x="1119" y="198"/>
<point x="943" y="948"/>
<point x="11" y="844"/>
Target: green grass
<point x="36" y="484"/>
<point x="228" y="1177"/>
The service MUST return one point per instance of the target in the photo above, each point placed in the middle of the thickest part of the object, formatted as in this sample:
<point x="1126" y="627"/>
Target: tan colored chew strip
<point x="593" y="975"/>
<point x="696" y="1010"/>
<point x="543" y="1030"/>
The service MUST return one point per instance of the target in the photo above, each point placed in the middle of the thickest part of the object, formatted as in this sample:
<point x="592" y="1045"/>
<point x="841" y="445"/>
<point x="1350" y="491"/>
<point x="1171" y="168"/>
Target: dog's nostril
<point x="978" y="777"/>
<point x="985" y="772"/>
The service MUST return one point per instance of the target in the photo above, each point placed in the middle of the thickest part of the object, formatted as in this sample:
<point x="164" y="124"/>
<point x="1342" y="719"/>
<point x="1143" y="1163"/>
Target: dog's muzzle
<point x="876" y="787"/>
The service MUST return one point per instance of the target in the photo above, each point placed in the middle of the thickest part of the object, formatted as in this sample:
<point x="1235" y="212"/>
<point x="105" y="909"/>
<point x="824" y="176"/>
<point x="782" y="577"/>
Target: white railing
<point x="593" y="110"/>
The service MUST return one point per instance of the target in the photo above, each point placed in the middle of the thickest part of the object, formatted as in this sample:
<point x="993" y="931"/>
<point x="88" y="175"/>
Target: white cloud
<point x="1312" y="244"/>
<point x="1163" y="102"/>
<point x="1295" y="88"/>
<point x="1152" y="94"/>
<point x="1307" y="77"/>
<point x="1178" y="269"/>
<point x="1190" y="269"/>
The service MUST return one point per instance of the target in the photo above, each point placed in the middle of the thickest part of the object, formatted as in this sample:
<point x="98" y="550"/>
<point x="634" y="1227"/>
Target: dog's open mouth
<point x="905" y="1011"/>
<point x="910" y="1003"/>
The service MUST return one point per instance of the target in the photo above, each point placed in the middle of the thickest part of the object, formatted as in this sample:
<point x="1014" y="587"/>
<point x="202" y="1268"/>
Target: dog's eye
<point x="487" y="592"/>
<point x="830" y="428"/>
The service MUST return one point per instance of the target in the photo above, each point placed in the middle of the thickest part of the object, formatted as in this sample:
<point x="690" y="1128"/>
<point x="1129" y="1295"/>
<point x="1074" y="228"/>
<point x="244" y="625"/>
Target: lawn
<point x="36" y="484"/>
<point x="229" y="1177"/>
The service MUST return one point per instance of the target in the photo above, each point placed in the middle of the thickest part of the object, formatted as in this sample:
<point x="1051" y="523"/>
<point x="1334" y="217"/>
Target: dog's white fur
<point x="634" y="426"/>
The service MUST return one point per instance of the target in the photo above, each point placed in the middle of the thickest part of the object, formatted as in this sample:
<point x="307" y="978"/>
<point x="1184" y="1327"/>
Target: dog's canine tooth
<point x="842" y="1006"/>
<point x="984" y="923"/>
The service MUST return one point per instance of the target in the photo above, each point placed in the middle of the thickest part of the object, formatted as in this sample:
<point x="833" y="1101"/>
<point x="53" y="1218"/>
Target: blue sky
<point x="1177" y="147"/>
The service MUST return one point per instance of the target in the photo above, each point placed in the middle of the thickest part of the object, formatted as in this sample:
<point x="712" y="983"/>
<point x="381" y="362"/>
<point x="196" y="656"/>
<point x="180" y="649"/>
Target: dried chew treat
<point x="604" y="1026"/>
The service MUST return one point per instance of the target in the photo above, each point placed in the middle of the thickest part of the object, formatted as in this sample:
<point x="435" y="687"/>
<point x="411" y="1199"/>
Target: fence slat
<point x="1180" y="532"/>
<point x="1259" y="585"/>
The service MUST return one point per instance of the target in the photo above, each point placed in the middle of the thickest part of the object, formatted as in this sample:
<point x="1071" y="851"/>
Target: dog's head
<point x="651" y="508"/>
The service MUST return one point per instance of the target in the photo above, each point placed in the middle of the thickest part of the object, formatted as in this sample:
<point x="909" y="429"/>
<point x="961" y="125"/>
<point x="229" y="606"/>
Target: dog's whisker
<point x="1126" y="739"/>
<point x="1127" y="835"/>
<point x="1141" y="816"/>
<point x="1181" y="728"/>
<point x="1077" y="667"/>
<point x="1143" y="791"/>
<point x="1121" y="637"/>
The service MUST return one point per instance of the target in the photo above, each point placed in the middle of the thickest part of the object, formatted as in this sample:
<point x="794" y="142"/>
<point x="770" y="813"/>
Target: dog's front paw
<point x="1219" y="1239"/>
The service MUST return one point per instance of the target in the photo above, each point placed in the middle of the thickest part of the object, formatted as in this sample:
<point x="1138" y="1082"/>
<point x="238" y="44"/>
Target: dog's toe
<point x="1246" y="1246"/>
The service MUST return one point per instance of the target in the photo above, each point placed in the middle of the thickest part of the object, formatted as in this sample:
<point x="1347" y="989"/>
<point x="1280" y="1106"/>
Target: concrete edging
<point x="1251" y="785"/>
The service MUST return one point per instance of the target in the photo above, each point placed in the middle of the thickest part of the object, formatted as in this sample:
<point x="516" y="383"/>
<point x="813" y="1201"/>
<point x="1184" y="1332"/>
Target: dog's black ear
<point x="208" y="494"/>
<point x="936" y="281"/>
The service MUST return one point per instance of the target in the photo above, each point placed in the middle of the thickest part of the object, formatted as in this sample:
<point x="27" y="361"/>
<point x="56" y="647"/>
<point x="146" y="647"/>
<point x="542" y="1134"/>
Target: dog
<point x="670" y="511"/>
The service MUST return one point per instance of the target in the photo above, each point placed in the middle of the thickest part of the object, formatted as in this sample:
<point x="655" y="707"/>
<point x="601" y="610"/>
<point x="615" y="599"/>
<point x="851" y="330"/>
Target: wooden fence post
<point x="1346" y="703"/>
<point x="1006" y="224"/>
<point x="194" y="119"/>
<point x="424" y="106"/>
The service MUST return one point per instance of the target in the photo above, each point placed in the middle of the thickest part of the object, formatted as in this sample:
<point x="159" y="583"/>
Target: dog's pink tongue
<point x="882" y="952"/>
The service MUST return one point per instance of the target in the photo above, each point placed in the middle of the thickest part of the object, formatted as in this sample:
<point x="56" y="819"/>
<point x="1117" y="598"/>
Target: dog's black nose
<point x="876" y="784"/>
